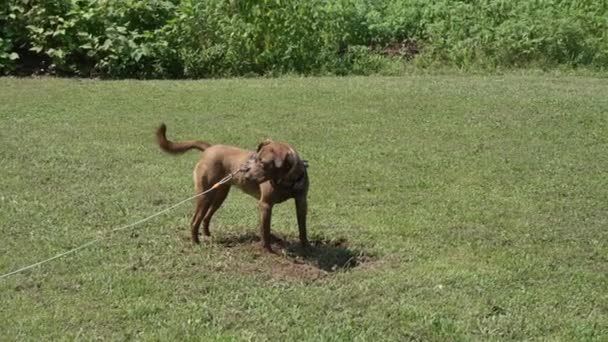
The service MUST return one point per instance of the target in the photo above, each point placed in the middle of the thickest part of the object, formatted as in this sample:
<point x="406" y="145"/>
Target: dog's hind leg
<point x="203" y="202"/>
<point x="202" y="206"/>
<point x="218" y="198"/>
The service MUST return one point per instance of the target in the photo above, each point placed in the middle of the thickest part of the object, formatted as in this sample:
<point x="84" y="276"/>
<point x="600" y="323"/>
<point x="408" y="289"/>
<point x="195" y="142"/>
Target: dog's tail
<point x="177" y="147"/>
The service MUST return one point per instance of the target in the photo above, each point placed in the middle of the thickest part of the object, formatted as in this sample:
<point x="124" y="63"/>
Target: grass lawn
<point x="441" y="208"/>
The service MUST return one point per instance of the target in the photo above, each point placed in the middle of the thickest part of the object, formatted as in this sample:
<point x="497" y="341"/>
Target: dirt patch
<point x="291" y="261"/>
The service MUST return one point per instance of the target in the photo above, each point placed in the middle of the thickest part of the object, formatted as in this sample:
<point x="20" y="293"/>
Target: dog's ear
<point x="279" y="160"/>
<point x="294" y="163"/>
<point x="290" y="158"/>
<point x="263" y="143"/>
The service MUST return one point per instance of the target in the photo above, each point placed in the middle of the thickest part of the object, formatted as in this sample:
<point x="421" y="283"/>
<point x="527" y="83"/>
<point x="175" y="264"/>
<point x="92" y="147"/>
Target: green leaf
<point x="58" y="53"/>
<point x="59" y="32"/>
<point x="35" y="29"/>
<point x="106" y="45"/>
<point x="13" y="56"/>
<point x="136" y="55"/>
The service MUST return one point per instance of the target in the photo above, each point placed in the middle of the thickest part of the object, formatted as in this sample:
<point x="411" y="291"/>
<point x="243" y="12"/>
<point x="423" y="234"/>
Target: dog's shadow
<point x="329" y="255"/>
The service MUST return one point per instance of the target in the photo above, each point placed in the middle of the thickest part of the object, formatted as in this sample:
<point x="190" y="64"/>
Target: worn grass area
<point x="442" y="208"/>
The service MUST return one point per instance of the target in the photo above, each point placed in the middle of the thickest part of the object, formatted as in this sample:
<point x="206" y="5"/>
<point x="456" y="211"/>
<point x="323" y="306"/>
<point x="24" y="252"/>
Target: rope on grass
<point x="130" y="225"/>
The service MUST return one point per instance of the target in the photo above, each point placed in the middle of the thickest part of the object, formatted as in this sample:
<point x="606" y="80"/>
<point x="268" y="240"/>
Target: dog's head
<point x="274" y="161"/>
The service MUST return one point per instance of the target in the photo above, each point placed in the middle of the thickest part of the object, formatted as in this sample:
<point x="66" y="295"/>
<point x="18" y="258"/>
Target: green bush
<point x="82" y="37"/>
<point x="217" y="38"/>
<point x="251" y="37"/>
<point x="9" y="34"/>
<point x="517" y="33"/>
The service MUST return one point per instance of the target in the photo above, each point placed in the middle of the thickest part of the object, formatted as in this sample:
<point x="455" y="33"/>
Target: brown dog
<point x="273" y="174"/>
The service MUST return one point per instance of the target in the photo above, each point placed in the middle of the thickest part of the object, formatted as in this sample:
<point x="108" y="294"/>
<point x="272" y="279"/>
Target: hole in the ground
<point x="329" y="255"/>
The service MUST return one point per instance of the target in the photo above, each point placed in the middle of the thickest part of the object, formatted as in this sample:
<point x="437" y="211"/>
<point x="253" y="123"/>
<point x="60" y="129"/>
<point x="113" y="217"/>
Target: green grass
<point x="474" y="206"/>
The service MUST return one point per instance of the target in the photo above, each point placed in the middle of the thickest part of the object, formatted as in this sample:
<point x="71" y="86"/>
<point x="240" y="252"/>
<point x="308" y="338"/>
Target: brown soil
<point x="291" y="262"/>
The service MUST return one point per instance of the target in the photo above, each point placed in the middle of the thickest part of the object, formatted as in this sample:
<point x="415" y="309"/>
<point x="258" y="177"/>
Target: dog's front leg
<point x="265" y="215"/>
<point x="301" y="211"/>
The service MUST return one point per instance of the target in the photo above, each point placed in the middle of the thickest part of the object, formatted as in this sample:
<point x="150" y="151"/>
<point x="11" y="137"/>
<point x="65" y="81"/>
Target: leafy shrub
<point x="517" y="33"/>
<point x="222" y="38"/>
<point x="216" y="38"/>
<point x="112" y="38"/>
<point x="8" y="35"/>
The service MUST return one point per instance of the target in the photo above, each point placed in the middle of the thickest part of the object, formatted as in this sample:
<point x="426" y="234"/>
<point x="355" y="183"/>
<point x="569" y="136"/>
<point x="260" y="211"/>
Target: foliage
<point x="217" y="38"/>
<point x="114" y="38"/>
<point x="518" y="33"/>
<point x="212" y="38"/>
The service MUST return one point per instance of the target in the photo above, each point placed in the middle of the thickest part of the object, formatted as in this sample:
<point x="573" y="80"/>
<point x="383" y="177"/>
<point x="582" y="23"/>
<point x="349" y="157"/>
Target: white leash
<point x="215" y="186"/>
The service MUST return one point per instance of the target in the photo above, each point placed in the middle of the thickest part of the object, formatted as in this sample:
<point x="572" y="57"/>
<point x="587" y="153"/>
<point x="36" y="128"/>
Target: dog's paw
<point x="268" y="248"/>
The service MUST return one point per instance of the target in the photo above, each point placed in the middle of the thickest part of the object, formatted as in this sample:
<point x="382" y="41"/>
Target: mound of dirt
<point x="292" y="262"/>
